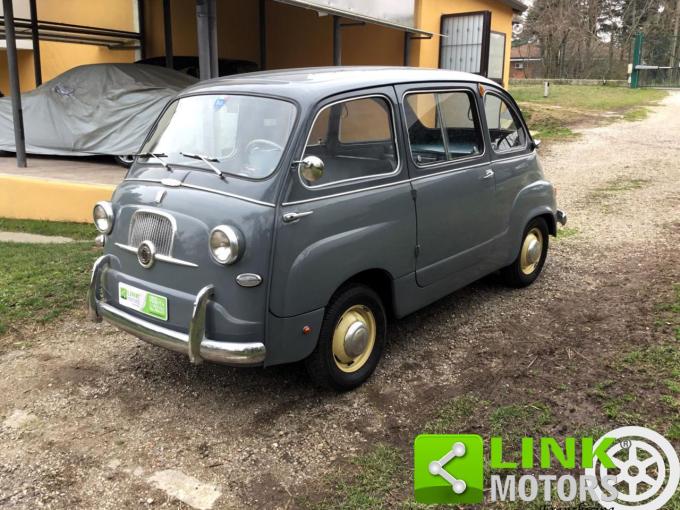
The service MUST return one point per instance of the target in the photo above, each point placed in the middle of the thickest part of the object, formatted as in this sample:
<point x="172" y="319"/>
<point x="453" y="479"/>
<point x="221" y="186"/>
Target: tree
<point x="581" y="38"/>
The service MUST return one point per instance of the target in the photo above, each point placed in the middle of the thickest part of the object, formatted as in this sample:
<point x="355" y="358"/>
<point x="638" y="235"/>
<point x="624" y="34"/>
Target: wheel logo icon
<point x="647" y="469"/>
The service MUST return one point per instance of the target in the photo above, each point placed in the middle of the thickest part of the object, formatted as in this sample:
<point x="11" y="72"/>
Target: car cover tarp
<point x="93" y="109"/>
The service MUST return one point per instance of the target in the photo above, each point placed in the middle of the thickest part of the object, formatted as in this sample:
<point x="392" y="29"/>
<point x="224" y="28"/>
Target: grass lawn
<point x="569" y="105"/>
<point x="39" y="282"/>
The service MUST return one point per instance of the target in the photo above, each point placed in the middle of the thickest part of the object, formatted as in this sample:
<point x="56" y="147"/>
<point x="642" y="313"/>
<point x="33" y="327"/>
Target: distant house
<point x="525" y="60"/>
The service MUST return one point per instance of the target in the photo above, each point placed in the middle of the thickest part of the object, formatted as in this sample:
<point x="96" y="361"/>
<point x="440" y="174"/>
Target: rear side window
<point x="505" y="129"/>
<point x="442" y="126"/>
<point x="354" y="139"/>
<point x="365" y="120"/>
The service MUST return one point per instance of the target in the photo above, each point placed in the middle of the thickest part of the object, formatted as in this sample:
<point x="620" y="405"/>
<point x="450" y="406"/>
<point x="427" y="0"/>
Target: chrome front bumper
<point x="194" y="344"/>
<point x="561" y="217"/>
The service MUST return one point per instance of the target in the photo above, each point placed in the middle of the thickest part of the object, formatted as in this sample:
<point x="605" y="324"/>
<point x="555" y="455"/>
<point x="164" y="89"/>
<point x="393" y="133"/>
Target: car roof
<point x="314" y="83"/>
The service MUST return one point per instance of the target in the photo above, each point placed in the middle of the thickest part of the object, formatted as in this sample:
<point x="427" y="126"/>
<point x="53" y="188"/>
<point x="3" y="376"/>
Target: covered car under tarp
<point x="93" y="109"/>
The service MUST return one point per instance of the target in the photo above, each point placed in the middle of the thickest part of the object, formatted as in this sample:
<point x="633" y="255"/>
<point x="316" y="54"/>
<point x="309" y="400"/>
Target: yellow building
<point x="466" y="35"/>
<point x="57" y="57"/>
<point x="295" y="36"/>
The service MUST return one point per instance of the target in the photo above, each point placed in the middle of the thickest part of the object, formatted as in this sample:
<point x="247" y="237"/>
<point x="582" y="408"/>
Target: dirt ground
<point x="93" y="418"/>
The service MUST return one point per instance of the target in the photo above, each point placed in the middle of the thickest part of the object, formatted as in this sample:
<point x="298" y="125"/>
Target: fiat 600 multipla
<point x="284" y="216"/>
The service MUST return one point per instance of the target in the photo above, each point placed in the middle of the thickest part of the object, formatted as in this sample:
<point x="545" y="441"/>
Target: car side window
<point x="354" y="139"/>
<point x="505" y="129"/>
<point x="442" y="126"/>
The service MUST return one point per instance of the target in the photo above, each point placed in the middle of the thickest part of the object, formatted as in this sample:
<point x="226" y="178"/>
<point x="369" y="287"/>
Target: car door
<point x="512" y="157"/>
<point x="452" y="181"/>
<point x="358" y="216"/>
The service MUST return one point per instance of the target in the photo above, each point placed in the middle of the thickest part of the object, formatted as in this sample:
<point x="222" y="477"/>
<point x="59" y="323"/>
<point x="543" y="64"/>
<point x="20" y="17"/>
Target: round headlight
<point x="103" y="217"/>
<point x="226" y="244"/>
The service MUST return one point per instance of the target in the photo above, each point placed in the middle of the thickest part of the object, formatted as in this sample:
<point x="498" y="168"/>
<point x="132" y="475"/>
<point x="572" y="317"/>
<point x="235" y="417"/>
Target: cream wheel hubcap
<point x="354" y="338"/>
<point x="532" y="249"/>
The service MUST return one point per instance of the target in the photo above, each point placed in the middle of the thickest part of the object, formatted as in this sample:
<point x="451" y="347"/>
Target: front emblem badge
<point x="146" y="254"/>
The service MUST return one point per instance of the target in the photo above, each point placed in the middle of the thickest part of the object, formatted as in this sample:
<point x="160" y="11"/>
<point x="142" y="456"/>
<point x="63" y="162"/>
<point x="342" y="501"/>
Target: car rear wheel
<point x="125" y="161"/>
<point x="351" y="340"/>
<point x="531" y="258"/>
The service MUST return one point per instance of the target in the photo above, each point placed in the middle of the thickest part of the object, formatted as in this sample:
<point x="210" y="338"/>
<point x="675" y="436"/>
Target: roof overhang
<point x="345" y="8"/>
<point x="517" y="5"/>
<point x="21" y="45"/>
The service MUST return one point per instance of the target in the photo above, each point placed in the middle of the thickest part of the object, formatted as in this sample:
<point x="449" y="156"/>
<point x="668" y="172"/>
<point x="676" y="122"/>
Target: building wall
<point x="25" y="62"/>
<point x="299" y="37"/>
<point x="295" y="37"/>
<point x="425" y="52"/>
<point x="531" y="69"/>
<point x="57" y="57"/>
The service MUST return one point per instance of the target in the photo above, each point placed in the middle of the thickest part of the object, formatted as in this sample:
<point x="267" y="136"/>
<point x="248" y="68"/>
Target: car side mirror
<point x="311" y="168"/>
<point x="536" y="144"/>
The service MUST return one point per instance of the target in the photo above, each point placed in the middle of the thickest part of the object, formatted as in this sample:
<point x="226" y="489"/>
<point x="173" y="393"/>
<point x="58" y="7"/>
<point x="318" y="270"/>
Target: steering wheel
<point x="255" y="146"/>
<point x="504" y="139"/>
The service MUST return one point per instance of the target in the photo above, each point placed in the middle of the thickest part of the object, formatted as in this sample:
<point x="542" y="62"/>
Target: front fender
<point x="319" y="269"/>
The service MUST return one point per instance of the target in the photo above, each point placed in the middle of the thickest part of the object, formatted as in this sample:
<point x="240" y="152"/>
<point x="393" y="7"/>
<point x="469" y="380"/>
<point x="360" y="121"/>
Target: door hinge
<point x="417" y="250"/>
<point x="414" y="194"/>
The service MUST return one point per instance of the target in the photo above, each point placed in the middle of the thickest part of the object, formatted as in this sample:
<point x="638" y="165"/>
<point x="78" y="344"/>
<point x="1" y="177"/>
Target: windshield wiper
<point x="157" y="156"/>
<point x="208" y="160"/>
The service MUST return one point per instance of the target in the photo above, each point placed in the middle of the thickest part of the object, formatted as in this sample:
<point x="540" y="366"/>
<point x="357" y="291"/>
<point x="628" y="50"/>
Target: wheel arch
<point x="550" y="221"/>
<point x="380" y="280"/>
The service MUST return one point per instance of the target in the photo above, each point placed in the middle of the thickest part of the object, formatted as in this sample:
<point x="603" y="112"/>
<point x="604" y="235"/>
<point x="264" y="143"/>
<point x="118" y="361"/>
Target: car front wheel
<point x="531" y="258"/>
<point x="351" y="340"/>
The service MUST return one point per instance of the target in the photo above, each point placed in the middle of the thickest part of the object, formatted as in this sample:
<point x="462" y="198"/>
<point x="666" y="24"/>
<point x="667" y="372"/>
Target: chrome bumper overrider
<point x="561" y="217"/>
<point x="195" y="344"/>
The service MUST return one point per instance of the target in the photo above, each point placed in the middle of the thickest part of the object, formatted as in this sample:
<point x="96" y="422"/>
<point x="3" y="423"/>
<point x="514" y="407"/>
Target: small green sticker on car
<point x="143" y="301"/>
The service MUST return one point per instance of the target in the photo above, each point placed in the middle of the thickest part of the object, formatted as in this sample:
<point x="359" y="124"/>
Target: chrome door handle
<point x="488" y="174"/>
<point x="292" y="217"/>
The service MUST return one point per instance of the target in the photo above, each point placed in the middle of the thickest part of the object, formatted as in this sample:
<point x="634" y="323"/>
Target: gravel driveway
<point x="93" y="418"/>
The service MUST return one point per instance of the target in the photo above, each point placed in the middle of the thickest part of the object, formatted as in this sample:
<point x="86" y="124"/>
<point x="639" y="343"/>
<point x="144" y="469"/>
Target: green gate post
<point x="637" y="54"/>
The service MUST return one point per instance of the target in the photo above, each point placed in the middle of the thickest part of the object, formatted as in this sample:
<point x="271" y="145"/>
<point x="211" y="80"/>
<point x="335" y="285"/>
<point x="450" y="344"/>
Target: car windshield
<point x="234" y="134"/>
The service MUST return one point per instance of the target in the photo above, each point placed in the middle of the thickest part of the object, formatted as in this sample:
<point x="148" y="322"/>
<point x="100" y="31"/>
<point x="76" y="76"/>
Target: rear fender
<point x="536" y="199"/>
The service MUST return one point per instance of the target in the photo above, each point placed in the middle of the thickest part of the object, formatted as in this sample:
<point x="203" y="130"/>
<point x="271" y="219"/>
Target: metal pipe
<point x="337" y="41"/>
<point x="263" y="35"/>
<point x="142" y="28"/>
<point x="109" y="43"/>
<point x="35" y="37"/>
<point x="212" y="26"/>
<point x="72" y="29"/>
<point x="203" y="36"/>
<point x="407" y="49"/>
<point x="167" y="28"/>
<point x="15" y="90"/>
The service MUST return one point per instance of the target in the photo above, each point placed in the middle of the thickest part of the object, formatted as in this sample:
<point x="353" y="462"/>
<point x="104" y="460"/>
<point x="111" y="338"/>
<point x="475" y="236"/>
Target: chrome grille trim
<point x="159" y="256"/>
<point x="155" y="226"/>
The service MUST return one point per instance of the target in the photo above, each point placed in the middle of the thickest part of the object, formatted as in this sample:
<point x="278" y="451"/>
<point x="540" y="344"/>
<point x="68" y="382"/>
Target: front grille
<point x="157" y="228"/>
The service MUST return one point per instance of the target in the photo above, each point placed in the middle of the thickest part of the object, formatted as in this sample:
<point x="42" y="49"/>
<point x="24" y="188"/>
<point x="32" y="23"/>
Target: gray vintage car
<point x="283" y="216"/>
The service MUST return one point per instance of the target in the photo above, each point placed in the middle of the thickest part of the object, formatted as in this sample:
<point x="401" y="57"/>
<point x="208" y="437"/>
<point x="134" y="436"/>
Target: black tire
<point x="513" y="275"/>
<point x="321" y="364"/>
<point x="125" y="161"/>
